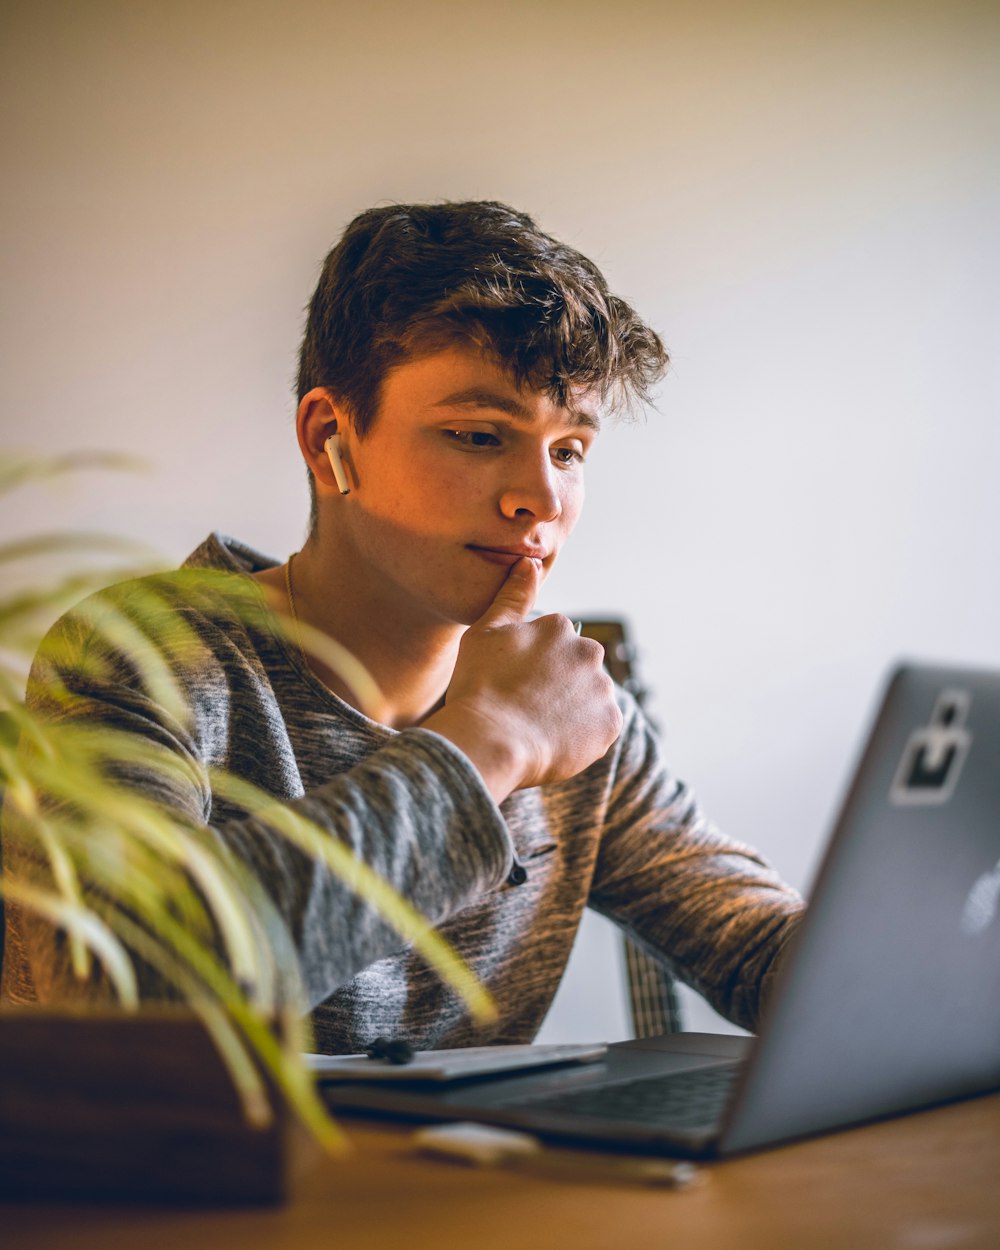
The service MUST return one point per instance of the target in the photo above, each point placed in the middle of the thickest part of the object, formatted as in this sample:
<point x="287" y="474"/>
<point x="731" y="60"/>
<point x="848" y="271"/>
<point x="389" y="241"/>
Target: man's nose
<point x="532" y="491"/>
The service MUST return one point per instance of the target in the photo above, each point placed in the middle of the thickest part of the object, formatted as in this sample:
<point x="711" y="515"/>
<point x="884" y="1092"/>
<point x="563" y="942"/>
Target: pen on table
<point x="484" y="1145"/>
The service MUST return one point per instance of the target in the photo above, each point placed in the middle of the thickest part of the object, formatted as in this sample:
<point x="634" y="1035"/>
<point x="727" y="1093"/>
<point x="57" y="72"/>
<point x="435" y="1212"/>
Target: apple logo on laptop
<point x="983" y="902"/>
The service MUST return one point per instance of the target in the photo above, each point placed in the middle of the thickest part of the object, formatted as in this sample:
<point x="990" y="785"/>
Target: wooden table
<point x="922" y="1182"/>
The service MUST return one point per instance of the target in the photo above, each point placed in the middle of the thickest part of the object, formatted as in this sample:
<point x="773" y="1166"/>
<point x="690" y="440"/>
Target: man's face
<point x="460" y="474"/>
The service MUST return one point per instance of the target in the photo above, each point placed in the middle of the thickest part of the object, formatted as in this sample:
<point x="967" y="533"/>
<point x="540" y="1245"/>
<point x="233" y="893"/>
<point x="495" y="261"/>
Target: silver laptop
<point x="889" y="1000"/>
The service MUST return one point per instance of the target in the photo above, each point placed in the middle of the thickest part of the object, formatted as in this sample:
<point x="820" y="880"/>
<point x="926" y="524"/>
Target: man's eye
<point x="568" y="455"/>
<point x="473" y="438"/>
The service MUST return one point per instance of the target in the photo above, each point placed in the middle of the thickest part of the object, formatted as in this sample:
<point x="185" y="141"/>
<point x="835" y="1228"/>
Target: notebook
<point x="888" y="1000"/>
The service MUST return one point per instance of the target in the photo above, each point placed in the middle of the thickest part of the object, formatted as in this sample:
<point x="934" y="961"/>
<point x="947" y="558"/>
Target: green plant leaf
<point x="22" y="470"/>
<point x="88" y="927"/>
<point x="74" y="543"/>
<point x="124" y="876"/>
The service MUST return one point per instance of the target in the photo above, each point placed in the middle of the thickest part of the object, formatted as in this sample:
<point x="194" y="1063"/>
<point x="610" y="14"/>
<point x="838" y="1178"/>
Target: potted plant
<point x="193" y="1099"/>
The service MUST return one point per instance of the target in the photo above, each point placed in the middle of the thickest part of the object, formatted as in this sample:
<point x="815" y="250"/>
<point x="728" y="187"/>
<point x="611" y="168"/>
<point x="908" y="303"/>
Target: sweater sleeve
<point x="709" y="907"/>
<point x="417" y="814"/>
<point x="412" y="808"/>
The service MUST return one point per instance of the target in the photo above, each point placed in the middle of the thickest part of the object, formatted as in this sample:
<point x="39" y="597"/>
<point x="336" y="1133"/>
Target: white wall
<point x="802" y="198"/>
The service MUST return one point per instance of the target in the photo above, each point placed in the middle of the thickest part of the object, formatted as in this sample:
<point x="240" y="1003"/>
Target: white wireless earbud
<point x="332" y="446"/>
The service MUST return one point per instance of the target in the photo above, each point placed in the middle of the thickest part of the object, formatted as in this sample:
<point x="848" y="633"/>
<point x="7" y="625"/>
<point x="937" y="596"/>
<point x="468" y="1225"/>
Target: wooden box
<point x="106" y="1104"/>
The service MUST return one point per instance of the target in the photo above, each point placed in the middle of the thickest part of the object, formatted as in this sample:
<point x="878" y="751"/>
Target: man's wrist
<point x="497" y="759"/>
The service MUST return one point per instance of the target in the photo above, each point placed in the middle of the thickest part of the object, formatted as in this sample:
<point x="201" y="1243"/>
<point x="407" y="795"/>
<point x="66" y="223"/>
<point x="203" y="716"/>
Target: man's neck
<point x="411" y="665"/>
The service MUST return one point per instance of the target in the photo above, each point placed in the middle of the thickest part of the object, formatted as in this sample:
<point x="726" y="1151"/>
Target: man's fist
<point x="529" y="701"/>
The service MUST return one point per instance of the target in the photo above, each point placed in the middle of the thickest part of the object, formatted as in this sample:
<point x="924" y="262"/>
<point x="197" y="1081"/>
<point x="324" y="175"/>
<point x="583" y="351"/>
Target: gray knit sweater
<point x="624" y="837"/>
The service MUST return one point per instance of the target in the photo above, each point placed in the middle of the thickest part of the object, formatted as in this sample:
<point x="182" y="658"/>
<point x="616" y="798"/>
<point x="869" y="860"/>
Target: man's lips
<point x="508" y="555"/>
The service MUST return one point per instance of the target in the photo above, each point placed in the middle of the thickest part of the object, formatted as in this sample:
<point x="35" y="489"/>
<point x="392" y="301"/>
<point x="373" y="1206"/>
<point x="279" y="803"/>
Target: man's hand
<point x="529" y="701"/>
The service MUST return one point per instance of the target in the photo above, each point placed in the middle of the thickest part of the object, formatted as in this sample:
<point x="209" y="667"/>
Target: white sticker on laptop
<point x="934" y="754"/>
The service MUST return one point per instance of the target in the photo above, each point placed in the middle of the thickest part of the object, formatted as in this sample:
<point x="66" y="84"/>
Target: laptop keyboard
<point x="680" y="1100"/>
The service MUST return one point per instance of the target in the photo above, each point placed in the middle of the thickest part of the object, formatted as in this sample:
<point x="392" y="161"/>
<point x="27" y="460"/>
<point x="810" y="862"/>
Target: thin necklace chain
<point x="291" y="604"/>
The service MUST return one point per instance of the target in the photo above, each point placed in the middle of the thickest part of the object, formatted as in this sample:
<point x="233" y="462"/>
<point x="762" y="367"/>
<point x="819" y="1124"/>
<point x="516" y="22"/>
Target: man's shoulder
<point x="227" y="554"/>
<point x="210" y="596"/>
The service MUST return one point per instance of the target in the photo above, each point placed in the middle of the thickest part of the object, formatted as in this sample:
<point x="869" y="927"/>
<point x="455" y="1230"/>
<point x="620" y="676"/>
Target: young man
<point x="453" y="374"/>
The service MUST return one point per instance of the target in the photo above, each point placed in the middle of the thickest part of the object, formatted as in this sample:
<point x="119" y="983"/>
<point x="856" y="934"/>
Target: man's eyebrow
<point x="484" y="397"/>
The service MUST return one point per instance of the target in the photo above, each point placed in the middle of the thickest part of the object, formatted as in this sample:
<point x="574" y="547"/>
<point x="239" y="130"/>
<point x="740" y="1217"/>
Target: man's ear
<point x="319" y="416"/>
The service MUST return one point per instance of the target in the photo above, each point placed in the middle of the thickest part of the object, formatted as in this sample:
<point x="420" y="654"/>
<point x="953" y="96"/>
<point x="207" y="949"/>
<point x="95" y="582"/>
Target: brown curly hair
<point x="411" y="278"/>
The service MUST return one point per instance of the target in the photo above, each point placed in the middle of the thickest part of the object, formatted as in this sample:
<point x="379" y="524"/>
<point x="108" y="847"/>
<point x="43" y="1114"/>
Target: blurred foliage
<point x="126" y="878"/>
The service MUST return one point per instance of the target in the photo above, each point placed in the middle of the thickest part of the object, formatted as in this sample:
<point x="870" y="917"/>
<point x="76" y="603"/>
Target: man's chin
<point x="473" y="601"/>
<point x="469" y="616"/>
<point x="473" y="608"/>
